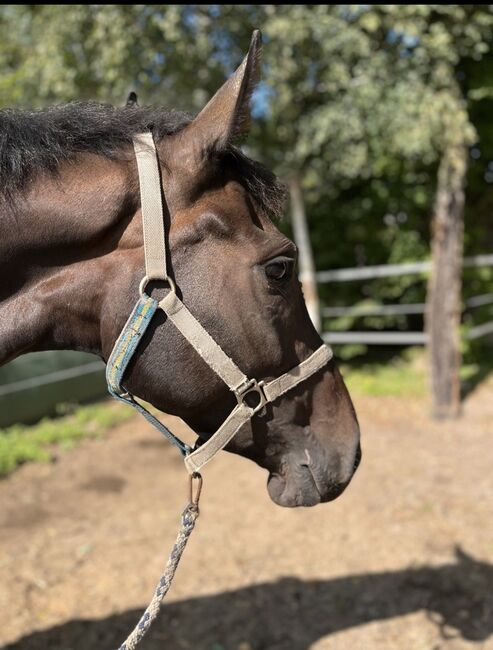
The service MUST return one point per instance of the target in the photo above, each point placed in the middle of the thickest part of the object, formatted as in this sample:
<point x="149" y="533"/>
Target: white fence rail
<point x="480" y="330"/>
<point x="51" y="378"/>
<point x="389" y="270"/>
<point x="374" y="310"/>
<point x="399" y="309"/>
<point x="376" y="338"/>
<point x="479" y="301"/>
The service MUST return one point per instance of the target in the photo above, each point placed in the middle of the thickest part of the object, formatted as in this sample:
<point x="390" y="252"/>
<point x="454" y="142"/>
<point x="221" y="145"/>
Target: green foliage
<point x="21" y="443"/>
<point x="358" y="86"/>
<point x="70" y="52"/>
<point x="477" y="363"/>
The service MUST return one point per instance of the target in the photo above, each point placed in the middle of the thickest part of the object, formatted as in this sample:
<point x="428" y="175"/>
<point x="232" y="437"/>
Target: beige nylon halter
<point x="192" y="330"/>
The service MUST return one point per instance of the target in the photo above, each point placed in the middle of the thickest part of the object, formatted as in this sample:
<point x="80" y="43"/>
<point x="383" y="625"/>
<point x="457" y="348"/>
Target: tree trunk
<point x="305" y="254"/>
<point x="443" y="301"/>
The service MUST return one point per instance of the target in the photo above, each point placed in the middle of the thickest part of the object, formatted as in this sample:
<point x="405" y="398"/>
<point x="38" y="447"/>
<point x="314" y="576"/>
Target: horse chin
<point x="306" y="493"/>
<point x="305" y="484"/>
<point x="284" y="495"/>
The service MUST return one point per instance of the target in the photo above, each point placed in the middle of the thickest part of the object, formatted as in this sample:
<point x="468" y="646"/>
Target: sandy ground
<point x="403" y="560"/>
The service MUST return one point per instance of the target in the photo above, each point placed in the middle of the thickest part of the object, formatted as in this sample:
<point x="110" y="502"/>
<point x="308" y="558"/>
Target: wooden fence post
<point x="443" y="301"/>
<point x="305" y="253"/>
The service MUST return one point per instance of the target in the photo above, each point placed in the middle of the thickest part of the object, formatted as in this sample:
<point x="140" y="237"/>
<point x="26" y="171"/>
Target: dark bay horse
<point x="71" y="258"/>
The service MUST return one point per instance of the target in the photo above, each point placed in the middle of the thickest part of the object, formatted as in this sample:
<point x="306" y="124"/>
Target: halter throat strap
<point x="251" y="395"/>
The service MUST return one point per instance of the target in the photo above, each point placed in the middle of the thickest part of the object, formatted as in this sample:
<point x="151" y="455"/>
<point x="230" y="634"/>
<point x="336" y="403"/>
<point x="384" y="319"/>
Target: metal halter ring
<point x="145" y="281"/>
<point x="252" y="386"/>
<point x="194" y="498"/>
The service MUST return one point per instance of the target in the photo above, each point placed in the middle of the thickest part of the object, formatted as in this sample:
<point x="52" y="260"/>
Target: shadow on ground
<point x="293" y="614"/>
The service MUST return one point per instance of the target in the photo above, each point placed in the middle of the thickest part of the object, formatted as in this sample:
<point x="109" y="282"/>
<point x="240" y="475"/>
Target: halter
<point x="251" y="395"/>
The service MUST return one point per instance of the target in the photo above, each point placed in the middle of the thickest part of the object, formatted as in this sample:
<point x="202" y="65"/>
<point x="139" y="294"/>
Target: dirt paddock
<point x="403" y="560"/>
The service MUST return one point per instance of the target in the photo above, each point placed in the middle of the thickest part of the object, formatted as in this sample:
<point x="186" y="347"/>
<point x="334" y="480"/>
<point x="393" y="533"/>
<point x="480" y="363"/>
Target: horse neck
<point x="61" y="243"/>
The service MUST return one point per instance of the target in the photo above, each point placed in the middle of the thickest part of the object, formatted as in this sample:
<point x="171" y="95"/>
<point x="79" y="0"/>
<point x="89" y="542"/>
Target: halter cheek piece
<point x="251" y="395"/>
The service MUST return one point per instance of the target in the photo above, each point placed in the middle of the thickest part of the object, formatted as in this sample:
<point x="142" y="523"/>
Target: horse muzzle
<point x="304" y="481"/>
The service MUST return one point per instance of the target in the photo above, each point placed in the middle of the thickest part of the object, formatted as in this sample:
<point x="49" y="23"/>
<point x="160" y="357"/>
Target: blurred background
<point x="378" y="119"/>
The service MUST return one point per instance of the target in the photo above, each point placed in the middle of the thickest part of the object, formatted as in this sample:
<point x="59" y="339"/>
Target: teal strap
<point x="127" y="342"/>
<point x="121" y="356"/>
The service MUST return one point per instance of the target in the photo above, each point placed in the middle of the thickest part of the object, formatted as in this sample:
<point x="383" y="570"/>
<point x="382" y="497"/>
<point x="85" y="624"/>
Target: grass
<point x="399" y="377"/>
<point x="39" y="442"/>
<point x="405" y="374"/>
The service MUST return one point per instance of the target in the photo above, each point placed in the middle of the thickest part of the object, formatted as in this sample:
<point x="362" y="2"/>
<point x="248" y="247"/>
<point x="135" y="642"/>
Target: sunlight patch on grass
<point x="399" y="378"/>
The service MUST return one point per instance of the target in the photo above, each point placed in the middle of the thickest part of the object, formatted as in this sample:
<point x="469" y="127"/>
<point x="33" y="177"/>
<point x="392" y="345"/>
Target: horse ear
<point x="132" y="99"/>
<point x="227" y="115"/>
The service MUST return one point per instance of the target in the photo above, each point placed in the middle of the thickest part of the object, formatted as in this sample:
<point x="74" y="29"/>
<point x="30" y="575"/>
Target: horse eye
<point x="278" y="270"/>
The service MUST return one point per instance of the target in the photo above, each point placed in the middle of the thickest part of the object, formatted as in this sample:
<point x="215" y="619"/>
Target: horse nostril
<point x="308" y="459"/>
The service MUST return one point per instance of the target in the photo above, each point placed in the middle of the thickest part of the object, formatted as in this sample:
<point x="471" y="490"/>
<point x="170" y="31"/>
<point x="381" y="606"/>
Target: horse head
<point x="237" y="275"/>
<point x="72" y="258"/>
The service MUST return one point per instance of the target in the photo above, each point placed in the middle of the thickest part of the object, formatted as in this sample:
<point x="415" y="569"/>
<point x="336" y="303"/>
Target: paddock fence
<point x="381" y="337"/>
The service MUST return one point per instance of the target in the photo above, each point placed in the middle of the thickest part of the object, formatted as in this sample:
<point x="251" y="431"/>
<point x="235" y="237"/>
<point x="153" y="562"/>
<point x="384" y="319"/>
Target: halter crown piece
<point x="247" y="391"/>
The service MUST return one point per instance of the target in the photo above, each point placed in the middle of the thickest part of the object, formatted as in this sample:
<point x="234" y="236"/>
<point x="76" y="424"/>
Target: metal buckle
<point x="145" y="281"/>
<point x="251" y="386"/>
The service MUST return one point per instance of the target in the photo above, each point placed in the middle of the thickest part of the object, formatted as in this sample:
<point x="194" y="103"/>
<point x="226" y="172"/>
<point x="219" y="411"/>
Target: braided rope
<point x="188" y="520"/>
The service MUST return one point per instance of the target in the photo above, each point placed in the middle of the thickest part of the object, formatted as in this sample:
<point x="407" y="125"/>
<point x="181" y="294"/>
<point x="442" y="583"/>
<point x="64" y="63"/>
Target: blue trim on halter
<point x="127" y="342"/>
<point x="121" y="356"/>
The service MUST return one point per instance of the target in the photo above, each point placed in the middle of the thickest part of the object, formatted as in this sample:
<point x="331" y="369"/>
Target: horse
<point x="72" y="257"/>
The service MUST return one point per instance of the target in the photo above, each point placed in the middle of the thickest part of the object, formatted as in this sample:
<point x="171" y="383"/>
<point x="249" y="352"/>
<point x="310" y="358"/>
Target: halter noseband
<point x="155" y="264"/>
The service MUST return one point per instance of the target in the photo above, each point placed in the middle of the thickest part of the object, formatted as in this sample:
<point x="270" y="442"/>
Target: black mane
<point x="37" y="141"/>
<point x="32" y="142"/>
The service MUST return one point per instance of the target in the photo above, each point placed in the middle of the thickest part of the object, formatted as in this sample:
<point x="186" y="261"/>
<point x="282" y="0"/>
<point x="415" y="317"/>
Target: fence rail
<point x="51" y="378"/>
<point x="376" y="338"/>
<point x="374" y="310"/>
<point x="398" y="309"/>
<point x="479" y="301"/>
<point x="389" y="270"/>
<point x="480" y="330"/>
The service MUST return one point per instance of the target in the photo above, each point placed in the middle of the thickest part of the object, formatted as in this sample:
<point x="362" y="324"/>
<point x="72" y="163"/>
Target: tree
<point x="380" y="84"/>
<point x="58" y="53"/>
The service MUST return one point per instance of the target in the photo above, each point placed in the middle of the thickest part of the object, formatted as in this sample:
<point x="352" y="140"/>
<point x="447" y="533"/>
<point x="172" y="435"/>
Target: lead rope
<point x="188" y="519"/>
